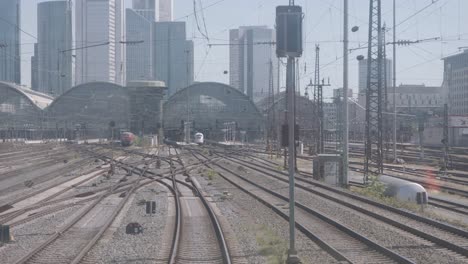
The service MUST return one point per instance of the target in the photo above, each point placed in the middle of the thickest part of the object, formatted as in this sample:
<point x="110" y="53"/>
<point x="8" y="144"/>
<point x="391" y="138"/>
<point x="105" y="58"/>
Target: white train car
<point x="199" y="138"/>
<point x="403" y="190"/>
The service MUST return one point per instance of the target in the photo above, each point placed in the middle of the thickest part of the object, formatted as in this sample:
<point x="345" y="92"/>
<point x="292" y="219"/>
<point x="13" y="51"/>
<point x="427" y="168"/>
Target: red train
<point x="127" y="139"/>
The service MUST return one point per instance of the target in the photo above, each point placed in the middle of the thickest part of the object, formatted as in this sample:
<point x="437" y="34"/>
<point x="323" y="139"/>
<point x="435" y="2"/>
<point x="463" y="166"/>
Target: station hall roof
<point x="36" y="98"/>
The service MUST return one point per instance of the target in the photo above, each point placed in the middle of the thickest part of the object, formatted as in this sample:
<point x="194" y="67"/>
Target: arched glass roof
<point x="209" y="105"/>
<point x="92" y="106"/>
<point x="36" y="99"/>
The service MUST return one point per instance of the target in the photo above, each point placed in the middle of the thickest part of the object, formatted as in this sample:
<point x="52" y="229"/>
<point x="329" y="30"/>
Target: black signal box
<point x="285" y="134"/>
<point x="289" y="31"/>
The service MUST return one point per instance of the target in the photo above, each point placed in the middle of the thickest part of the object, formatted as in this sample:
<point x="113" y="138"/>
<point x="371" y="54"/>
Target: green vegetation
<point x="272" y="247"/>
<point x="376" y="191"/>
<point x="211" y="174"/>
<point x="280" y="168"/>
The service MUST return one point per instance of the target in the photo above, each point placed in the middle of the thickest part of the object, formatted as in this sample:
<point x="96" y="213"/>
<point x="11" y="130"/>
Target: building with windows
<point x="173" y="56"/>
<point x="251" y="61"/>
<point x="54" y="42"/>
<point x="34" y="70"/>
<point x="100" y="41"/>
<point x="456" y="80"/>
<point x="139" y="55"/>
<point x="363" y="74"/>
<point x="145" y="8"/>
<point x="413" y="99"/>
<point x="10" y="41"/>
<point x="164" y="10"/>
<point x="456" y="85"/>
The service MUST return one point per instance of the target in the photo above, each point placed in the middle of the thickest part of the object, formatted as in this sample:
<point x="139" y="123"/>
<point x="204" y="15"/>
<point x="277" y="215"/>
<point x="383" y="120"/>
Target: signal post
<point x="289" y="45"/>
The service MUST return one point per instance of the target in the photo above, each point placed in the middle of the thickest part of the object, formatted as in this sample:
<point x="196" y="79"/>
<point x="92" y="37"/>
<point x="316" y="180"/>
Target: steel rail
<point x="327" y="247"/>
<point x="444" y="227"/>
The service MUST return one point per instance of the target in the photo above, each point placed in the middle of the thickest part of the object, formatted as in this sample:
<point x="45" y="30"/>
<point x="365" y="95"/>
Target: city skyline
<point x="417" y="64"/>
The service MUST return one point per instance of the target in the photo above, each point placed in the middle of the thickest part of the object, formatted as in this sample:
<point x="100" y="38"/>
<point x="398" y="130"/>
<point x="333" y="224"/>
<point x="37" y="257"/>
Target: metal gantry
<point x="374" y="139"/>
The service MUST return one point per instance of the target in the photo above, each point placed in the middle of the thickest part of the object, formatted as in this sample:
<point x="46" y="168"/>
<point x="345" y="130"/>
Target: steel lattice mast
<point x="318" y="99"/>
<point x="387" y="125"/>
<point x="374" y="103"/>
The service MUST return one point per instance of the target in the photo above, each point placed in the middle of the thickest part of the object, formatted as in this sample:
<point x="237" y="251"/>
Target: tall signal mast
<point x="374" y="124"/>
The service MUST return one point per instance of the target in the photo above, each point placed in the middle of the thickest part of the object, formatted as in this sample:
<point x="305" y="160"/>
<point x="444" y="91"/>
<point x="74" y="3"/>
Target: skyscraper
<point x="172" y="55"/>
<point x="145" y="8"/>
<point x="54" y="36"/>
<point x="10" y="51"/>
<point x="164" y="10"/>
<point x="139" y="56"/>
<point x="34" y="70"/>
<point x="363" y="75"/>
<point x="99" y="41"/>
<point x="251" y="59"/>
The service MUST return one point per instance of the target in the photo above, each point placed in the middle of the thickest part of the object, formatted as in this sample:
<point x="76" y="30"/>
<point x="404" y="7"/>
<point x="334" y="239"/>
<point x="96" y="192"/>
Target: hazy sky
<point x="416" y="64"/>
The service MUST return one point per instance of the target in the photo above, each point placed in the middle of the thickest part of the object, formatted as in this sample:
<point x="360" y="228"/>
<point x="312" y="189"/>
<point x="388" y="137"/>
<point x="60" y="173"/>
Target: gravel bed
<point x="252" y="222"/>
<point x="7" y="198"/>
<point x="402" y="242"/>
<point x="118" y="247"/>
<point x="31" y="234"/>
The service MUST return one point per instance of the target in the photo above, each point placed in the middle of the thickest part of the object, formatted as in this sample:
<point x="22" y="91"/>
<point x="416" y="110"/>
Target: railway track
<point x="445" y="236"/>
<point x="198" y="223"/>
<point x="344" y="244"/>
<point x="73" y="241"/>
<point x="418" y="176"/>
<point x="190" y="224"/>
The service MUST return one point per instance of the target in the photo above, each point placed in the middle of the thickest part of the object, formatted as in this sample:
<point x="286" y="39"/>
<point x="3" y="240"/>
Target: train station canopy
<point x="20" y="107"/>
<point x="91" y="107"/>
<point x="304" y="109"/>
<point x="208" y="106"/>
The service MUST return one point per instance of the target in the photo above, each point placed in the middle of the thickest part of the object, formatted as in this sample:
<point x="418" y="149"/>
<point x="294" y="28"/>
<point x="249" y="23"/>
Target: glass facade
<point x="54" y="38"/>
<point x="139" y="56"/>
<point x="173" y="55"/>
<point x="90" y="108"/>
<point x="21" y="111"/>
<point x="10" y="48"/>
<point x="208" y="106"/>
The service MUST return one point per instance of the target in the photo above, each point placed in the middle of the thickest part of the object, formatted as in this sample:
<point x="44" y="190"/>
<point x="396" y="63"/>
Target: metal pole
<point x="278" y="123"/>
<point x="291" y="167"/>
<point x="345" y="95"/>
<point x="394" y="85"/>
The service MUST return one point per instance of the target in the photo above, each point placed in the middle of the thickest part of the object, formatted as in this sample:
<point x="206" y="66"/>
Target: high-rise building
<point x="172" y="55"/>
<point x="145" y="8"/>
<point x="164" y="10"/>
<point x="456" y="80"/>
<point x="139" y="56"/>
<point x="99" y="41"/>
<point x="10" y="48"/>
<point x="251" y="61"/>
<point x="363" y="75"/>
<point x="54" y="37"/>
<point x="34" y="69"/>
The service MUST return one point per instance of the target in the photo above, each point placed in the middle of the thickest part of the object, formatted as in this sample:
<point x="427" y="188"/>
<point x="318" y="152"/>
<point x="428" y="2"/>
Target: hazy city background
<point x="416" y="64"/>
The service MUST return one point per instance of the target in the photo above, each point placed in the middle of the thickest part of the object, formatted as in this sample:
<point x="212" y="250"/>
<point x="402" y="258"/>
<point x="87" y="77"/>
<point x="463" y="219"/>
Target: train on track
<point x="403" y="190"/>
<point x="199" y="138"/>
<point x="127" y="139"/>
